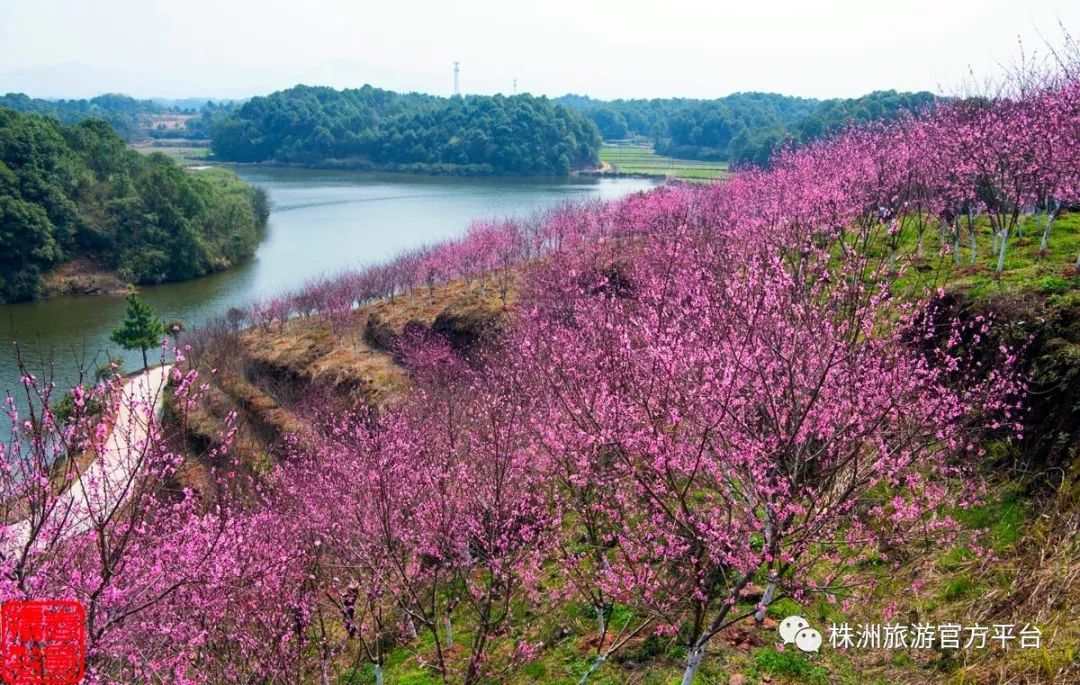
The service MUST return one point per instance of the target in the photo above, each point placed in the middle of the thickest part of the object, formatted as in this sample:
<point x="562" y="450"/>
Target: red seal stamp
<point x="42" y="642"/>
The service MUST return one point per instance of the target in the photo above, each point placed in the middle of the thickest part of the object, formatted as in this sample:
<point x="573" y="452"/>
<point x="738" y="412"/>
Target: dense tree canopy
<point x="77" y="191"/>
<point x="122" y="112"/>
<point x="372" y="128"/>
<point x="133" y="119"/>
<point x="742" y="127"/>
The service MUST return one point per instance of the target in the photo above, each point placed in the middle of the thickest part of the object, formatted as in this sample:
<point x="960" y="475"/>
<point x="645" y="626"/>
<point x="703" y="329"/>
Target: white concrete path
<point x="107" y="481"/>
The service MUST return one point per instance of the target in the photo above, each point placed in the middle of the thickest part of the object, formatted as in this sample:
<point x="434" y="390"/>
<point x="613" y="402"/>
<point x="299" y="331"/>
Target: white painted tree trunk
<point x="693" y="663"/>
<point x="378" y="674"/>
<point x="596" y="664"/>
<point x="1046" y="231"/>
<point x="1001" y="252"/>
<point x="449" y="628"/>
<point x="770" y="590"/>
<point x="974" y="237"/>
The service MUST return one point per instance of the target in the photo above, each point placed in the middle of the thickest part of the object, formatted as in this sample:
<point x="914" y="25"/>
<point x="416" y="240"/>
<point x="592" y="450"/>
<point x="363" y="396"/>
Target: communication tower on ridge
<point x="457" y="70"/>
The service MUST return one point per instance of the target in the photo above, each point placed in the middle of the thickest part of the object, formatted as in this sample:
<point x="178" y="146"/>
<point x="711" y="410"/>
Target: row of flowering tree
<point x="659" y="431"/>
<point x="976" y="167"/>
<point x="703" y="391"/>
<point x="98" y="507"/>
<point x="708" y="399"/>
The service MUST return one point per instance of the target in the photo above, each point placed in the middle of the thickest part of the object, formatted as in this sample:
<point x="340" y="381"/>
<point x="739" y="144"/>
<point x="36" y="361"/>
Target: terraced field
<point x="629" y="159"/>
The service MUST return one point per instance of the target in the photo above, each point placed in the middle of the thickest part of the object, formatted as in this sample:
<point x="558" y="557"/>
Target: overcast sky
<point x="606" y="49"/>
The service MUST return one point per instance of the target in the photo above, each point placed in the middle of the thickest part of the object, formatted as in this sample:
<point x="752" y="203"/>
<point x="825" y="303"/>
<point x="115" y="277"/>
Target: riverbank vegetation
<point x="76" y="194"/>
<point x="619" y="441"/>
<point x="369" y="128"/>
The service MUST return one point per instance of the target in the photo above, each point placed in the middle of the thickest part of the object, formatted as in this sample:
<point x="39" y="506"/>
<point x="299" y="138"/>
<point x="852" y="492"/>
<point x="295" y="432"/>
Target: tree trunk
<point x="1046" y="231"/>
<point x="596" y="664"/>
<point x="145" y="364"/>
<point x="956" y="243"/>
<point x="693" y="663"/>
<point x="770" y="590"/>
<point x="449" y="627"/>
<point x="324" y="667"/>
<point x="1001" y="252"/>
<point x="378" y="674"/>
<point x="974" y="237"/>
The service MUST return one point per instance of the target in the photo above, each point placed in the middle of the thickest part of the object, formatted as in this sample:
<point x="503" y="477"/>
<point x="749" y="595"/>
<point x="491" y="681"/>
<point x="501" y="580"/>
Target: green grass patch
<point x="414" y="678"/>
<point x="960" y="588"/>
<point x="1027" y="268"/>
<point x="644" y="160"/>
<point x="782" y="608"/>
<point x="955" y="559"/>
<point x="1002" y="519"/>
<point x="789" y="663"/>
<point x="535" y="670"/>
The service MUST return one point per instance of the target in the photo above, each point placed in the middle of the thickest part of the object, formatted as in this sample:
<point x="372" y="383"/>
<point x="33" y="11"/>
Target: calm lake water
<point x="320" y="223"/>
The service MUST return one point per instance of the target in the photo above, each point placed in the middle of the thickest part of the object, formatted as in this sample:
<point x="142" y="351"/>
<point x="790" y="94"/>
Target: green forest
<point x="76" y="191"/>
<point x="370" y="128"/>
<point x="123" y="113"/>
<point x="740" y="128"/>
<point x="133" y="119"/>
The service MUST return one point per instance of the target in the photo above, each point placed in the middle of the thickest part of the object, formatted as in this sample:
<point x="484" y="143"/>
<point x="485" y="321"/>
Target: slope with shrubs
<point x="633" y="319"/>
<point x="75" y="199"/>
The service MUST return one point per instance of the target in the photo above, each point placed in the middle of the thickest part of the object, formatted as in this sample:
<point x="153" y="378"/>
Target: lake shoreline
<point x="320" y="224"/>
<point x="81" y="277"/>
<point x="604" y="170"/>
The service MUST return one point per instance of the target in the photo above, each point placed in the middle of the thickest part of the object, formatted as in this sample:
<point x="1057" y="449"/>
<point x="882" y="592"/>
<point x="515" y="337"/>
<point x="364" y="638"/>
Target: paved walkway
<point x="106" y="482"/>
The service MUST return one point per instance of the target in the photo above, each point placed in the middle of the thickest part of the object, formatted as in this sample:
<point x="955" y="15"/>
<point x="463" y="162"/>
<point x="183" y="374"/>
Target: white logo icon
<point x="797" y="629"/>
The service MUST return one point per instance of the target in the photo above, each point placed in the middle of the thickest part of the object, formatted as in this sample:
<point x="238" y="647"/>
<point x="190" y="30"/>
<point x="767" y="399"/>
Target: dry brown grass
<point x="80" y="276"/>
<point x="1037" y="583"/>
<point x="266" y="375"/>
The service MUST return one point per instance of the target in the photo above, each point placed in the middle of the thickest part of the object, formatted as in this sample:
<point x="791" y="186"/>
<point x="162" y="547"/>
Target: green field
<point x="182" y="151"/>
<point x="636" y="159"/>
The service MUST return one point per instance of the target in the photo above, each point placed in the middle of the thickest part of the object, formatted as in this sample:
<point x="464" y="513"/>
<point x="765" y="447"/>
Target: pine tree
<point x="141" y="328"/>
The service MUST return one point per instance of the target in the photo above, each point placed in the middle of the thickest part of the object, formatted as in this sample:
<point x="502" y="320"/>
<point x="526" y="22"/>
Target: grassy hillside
<point x="1015" y="561"/>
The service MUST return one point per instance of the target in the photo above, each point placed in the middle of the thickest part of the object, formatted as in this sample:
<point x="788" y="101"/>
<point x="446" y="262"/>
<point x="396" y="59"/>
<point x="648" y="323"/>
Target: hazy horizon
<point x="203" y="49"/>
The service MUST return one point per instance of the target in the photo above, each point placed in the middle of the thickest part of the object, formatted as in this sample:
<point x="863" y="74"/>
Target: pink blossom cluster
<point x="1001" y="160"/>
<point x="708" y="399"/>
